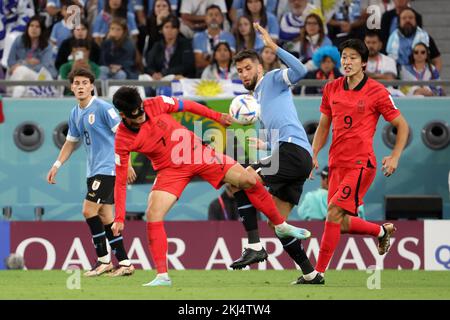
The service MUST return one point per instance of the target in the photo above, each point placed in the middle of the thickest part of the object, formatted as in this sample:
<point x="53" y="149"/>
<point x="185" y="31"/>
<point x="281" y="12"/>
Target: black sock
<point x="116" y="244"/>
<point x="98" y="235"/>
<point x="295" y="250"/>
<point x="248" y="214"/>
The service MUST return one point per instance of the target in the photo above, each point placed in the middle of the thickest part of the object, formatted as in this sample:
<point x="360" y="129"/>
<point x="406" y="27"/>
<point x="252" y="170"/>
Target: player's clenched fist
<point x="226" y="119"/>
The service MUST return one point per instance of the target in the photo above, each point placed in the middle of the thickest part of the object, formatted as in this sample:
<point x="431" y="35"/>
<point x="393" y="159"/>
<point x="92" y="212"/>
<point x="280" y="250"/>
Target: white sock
<point x="310" y="275"/>
<point x="281" y="226"/>
<point x="125" y="263"/>
<point x="163" y="275"/>
<point x="382" y="233"/>
<point x="255" y="246"/>
<point x="104" y="259"/>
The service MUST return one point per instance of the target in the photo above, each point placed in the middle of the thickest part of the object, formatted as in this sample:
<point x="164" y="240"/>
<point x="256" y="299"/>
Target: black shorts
<point x="295" y="165"/>
<point x="100" y="189"/>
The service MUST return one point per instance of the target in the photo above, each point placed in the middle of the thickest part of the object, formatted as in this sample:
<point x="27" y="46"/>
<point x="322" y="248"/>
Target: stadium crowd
<point x="175" y="39"/>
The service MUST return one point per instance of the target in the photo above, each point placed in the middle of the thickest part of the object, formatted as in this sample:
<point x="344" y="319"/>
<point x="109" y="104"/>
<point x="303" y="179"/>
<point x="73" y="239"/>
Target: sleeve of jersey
<point x="197" y="108"/>
<point x="386" y="106"/>
<point x="325" y="105"/>
<point x="296" y="70"/>
<point x="120" y="186"/>
<point x="72" y="134"/>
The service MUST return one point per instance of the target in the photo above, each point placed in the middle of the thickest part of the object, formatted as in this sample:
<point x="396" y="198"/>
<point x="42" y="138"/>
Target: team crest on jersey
<point x="361" y="106"/>
<point x="96" y="185"/>
<point x="91" y="118"/>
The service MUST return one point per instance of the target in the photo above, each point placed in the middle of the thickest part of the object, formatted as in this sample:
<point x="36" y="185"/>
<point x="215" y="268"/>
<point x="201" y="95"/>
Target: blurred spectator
<point x="348" y="20"/>
<point x="113" y="9"/>
<point x="61" y="30"/>
<point x="152" y="31"/>
<point x="14" y="16"/>
<point x="245" y="35"/>
<point x="117" y="53"/>
<point x="292" y="21"/>
<point x="31" y="56"/>
<point x="420" y="68"/>
<point x="389" y="20"/>
<point x="271" y="5"/>
<point x="135" y="7"/>
<point x="224" y="207"/>
<point x="80" y="54"/>
<point x="312" y="37"/>
<point x="327" y="59"/>
<point x="256" y="10"/>
<point x="270" y="60"/>
<point x="172" y="55"/>
<point x="149" y="5"/>
<point x="221" y="65"/>
<point x="79" y="32"/>
<point x="315" y="204"/>
<point x="407" y="35"/>
<point x="204" y="42"/>
<point x="379" y="66"/>
<point x="193" y="15"/>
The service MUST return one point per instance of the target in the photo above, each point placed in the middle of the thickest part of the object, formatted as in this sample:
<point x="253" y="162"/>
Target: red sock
<point x="262" y="201"/>
<point x="157" y="244"/>
<point x="329" y="242"/>
<point x="360" y="226"/>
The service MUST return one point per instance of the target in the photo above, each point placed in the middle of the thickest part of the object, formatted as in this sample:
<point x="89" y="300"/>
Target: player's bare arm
<point x="320" y="138"/>
<point x="390" y="163"/>
<point x="268" y="41"/>
<point x="64" y="154"/>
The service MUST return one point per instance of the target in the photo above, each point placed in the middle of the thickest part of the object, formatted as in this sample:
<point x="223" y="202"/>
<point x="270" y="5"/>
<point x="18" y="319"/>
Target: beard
<point x="252" y="84"/>
<point x="408" y="30"/>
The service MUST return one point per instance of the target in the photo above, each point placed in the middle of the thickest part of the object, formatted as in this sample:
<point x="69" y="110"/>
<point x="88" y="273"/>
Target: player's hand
<point x="117" y="228"/>
<point x="257" y="143"/>
<point x="315" y="167"/>
<point x="51" y="175"/>
<point x="266" y="36"/>
<point x="390" y="164"/>
<point x="226" y="120"/>
<point x="131" y="175"/>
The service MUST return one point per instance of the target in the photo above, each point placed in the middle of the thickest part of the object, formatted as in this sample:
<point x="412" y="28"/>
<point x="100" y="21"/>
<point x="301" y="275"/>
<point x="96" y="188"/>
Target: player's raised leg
<point x="262" y="201"/>
<point x="103" y="264"/>
<point x="159" y="203"/>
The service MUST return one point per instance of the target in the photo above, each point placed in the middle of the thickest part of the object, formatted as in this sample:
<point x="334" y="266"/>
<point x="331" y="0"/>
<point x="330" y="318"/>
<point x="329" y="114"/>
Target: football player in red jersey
<point x="352" y="104"/>
<point x="178" y="155"/>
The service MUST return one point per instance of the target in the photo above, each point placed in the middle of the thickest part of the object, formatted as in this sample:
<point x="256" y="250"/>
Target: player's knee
<point x="154" y="215"/>
<point x="335" y="214"/>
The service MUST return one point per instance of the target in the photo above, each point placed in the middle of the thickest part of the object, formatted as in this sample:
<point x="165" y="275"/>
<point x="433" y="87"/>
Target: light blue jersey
<point x="96" y="126"/>
<point x="277" y="106"/>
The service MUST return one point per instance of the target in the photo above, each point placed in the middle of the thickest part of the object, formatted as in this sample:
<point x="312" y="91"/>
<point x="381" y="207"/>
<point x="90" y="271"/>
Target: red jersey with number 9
<point x="354" y="115"/>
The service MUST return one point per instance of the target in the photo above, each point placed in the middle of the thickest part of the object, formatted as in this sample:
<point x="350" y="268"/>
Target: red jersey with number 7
<point x="354" y="115"/>
<point x="161" y="138"/>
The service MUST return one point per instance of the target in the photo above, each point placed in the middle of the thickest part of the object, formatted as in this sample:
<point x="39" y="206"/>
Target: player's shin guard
<point x="328" y="244"/>
<point x="262" y="201"/>
<point x="98" y="235"/>
<point x="360" y="226"/>
<point x="116" y="244"/>
<point x="248" y="214"/>
<point x="157" y="244"/>
<point x="295" y="250"/>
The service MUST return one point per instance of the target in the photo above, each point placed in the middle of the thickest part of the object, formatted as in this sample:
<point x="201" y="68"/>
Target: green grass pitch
<point x="226" y="285"/>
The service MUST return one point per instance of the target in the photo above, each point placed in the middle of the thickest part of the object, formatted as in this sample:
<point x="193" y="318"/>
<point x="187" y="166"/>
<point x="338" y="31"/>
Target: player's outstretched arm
<point x="199" y="109"/>
<point x="320" y="138"/>
<point x="390" y="163"/>
<point x="297" y="70"/>
<point x="64" y="154"/>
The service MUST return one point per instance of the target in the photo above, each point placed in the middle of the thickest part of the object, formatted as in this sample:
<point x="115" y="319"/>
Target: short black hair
<point x="214" y="6"/>
<point x="81" y="72"/>
<point x="80" y="43"/>
<point x="127" y="99"/>
<point x="373" y="33"/>
<point x="247" y="54"/>
<point x="171" y="19"/>
<point x="357" y="45"/>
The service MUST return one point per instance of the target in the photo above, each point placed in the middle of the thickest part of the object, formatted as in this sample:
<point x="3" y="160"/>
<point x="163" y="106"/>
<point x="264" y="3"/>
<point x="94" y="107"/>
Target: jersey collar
<point x="88" y="105"/>
<point x="359" y="86"/>
<point x="258" y="83"/>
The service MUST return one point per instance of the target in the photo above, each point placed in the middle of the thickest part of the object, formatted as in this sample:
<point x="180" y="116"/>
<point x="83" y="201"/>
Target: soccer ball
<point x="245" y="109"/>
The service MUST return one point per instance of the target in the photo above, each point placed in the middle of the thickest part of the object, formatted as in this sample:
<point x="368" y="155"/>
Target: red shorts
<point x="348" y="186"/>
<point x="213" y="168"/>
